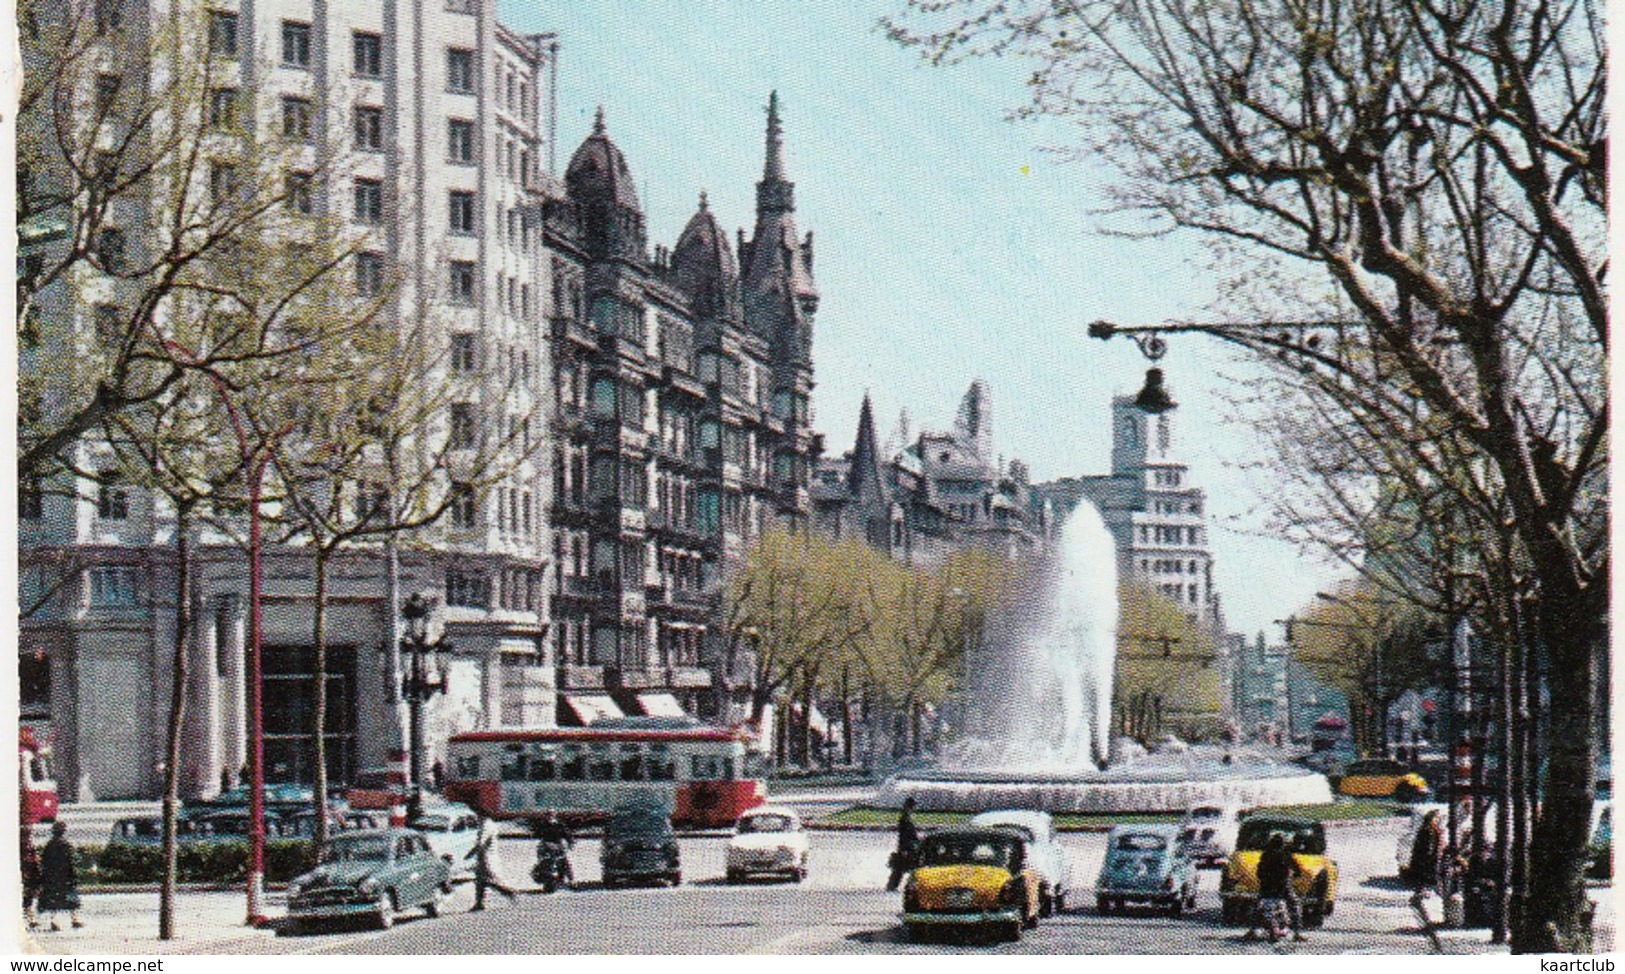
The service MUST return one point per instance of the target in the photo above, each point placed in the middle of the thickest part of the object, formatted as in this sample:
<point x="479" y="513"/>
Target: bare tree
<point x="1441" y="166"/>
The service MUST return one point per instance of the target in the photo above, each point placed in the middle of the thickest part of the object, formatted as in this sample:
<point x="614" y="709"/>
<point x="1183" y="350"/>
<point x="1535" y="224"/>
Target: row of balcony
<point x="575" y="676"/>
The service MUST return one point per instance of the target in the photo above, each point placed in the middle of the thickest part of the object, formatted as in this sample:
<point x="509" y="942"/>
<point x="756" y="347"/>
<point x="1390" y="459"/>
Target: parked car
<point x="1382" y="778"/>
<point x="972" y="877"/>
<point x="234" y="826"/>
<point x="376" y="874"/>
<point x="303" y="825"/>
<point x="1316" y="884"/>
<point x="768" y="839"/>
<point x="148" y="830"/>
<point x="1044" y="854"/>
<point x="451" y="829"/>
<point x="1209" y="833"/>
<point x="640" y="846"/>
<point x="1600" y="855"/>
<point x="1146" y="864"/>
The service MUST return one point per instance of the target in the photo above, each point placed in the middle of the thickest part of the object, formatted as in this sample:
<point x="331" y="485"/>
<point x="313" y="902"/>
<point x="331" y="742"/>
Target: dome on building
<point x="598" y="170"/>
<point x="702" y="255"/>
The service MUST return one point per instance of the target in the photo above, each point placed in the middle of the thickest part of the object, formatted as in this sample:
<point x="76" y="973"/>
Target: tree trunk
<point x="846" y="716"/>
<point x="1558" y="919"/>
<point x="177" y="718"/>
<point x="319" y="704"/>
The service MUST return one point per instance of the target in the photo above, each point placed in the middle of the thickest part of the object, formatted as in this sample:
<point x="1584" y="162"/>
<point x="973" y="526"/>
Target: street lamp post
<point x="417" y="686"/>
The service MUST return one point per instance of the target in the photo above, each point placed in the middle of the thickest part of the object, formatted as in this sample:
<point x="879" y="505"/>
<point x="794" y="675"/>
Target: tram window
<point x="662" y="768"/>
<point x="601" y="768"/>
<point x="468" y="766"/>
<point x="574" y="767"/>
<point x="727" y="765"/>
<point x="541" y="769"/>
<point x="702" y="767"/>
<point x="513" y="767"/>
<point x="631" y="768"/>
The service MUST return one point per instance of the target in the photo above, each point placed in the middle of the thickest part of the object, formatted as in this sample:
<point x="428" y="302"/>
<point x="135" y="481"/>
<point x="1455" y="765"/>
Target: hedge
<point x="195" y="862"/>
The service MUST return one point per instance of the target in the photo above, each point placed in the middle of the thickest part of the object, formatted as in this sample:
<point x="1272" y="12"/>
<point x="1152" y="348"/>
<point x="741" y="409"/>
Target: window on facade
<point x="301" y="192"/>
<point x="371" y="500"/>
<point x="369" y="274"/>
<point x="469" y="589"/>
<point x="369" y="55"/>
<point x="369" y="128"/>
<point x="464" y="428"/>
<point x="295" y="44"/>
<point x="462" y="352"/>
<point x="461" y="285"/>
<point x="110" y="250"/>
<point x="222" y="181"/>
<point x="462" y="211"/>
<point x="113" y="586"/>
<point x="107" y="88"/>
<point x="112" y="497"/>
<point x="459" y="70"/>
<point x="296" y="116"/>
<point x="460" y="141"/>
<point x="109" y="14"/>
<point x="222" y="108"/>
<point x="464" y="507"/>
<point x="223" y="33"/>
<point x="30" y="499"/>
<point x="369" y="201"/>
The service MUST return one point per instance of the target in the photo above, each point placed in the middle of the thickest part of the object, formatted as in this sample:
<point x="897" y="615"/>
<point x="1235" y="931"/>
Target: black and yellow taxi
<point x="972" y="878"/>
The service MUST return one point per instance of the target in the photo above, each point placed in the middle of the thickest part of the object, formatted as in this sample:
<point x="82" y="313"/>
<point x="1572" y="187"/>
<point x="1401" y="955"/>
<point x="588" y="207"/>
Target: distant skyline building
<point x="921" y="499"/>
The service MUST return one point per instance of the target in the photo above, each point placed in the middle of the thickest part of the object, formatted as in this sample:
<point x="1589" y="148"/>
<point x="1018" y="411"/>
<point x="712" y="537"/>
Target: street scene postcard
<point x="887" y="478"/>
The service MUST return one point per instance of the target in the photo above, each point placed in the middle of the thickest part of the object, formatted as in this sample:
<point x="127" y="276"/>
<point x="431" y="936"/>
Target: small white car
<point x="451" y="829"/>
<point x="768" y="839"/>
<point x="1045" y="855"/>
<point x="1209" y="833"/>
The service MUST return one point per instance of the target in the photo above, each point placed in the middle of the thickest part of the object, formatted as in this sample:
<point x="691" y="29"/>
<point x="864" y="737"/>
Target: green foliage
<point x="1166" y="665"/>
<point x="200" y="862"/>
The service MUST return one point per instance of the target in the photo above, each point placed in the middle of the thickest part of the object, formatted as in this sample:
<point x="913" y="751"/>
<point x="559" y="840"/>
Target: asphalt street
<point x="842" y="908"/>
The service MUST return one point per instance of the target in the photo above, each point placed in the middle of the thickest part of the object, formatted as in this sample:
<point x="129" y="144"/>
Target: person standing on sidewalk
<point x="31" y="876"/>
<point x="485" y="867"/>
<point x="908" y="839"/>
<point x="1426" y="851"/>
<point x="59" y="887"/>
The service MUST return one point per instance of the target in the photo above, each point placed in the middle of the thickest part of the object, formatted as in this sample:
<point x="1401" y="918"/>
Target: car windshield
<point x="369" y="849"/>
<point x="637" y="823"/>
<point x="1199" y="814"/>
<point x="765" y="823"/>
<point x="1140" y="842"/>
<point x="1303" y="839"/>
<point x="957" y="850"/>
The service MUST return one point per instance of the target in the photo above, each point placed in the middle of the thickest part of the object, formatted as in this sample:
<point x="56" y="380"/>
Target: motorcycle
<point x="552" y="868"/>
<point x="1273" y="917"/>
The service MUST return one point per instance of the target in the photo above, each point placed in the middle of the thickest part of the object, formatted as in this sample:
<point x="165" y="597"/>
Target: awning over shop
<point x="661" y="705"/>
<point x="590" y="707"/>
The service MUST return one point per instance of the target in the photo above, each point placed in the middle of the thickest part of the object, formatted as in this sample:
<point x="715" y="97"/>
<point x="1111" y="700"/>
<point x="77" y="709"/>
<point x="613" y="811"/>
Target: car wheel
<point x="431" y="909"/>
<point x="1177" y="906"/>
<point x="1011" y="932"/>
<point x="1060" y="901"/>
<point x="1103" y="905"/>
<point x="676" y="879"/>
<point x="1230" y="912"/>
<point x="800" y="875"/>
<point x="386" y="911"/>
<point x="1046" y="902"/>
<point x="735" y="876"/>
<point x="916" y="932"/>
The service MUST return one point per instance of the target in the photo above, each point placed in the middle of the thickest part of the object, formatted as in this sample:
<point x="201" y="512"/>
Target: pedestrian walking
<point x="486" y="875"/>
<point x="437" y="776"/>
<point x="59" y="887"/>
<point x="1426" y="852"/>
<point x="1277" y="868"/>
<point x="31" y="876"/>
<point x="908" y="840"/>
<point x="556" y="840"/>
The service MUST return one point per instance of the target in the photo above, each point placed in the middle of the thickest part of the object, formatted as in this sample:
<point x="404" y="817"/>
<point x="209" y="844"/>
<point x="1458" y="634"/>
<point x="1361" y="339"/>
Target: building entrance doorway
<point x="289" y="708"/>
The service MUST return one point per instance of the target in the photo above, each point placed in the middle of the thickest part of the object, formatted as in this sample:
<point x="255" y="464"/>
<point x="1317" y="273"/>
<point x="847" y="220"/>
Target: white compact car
<point x="769" y="840"/>
<point x="1046" y="857"/>
<point x="1209" y="832"/>
<point x="451" y="829"/>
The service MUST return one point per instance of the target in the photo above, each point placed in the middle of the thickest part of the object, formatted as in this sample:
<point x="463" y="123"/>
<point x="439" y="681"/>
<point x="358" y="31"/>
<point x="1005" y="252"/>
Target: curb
<point x="818" y="826"/>
<point x="237" y="887"/>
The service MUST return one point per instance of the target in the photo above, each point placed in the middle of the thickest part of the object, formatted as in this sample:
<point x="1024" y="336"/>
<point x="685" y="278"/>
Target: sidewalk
<point x="127" y="923"/>
<point x="1476" y="940"/>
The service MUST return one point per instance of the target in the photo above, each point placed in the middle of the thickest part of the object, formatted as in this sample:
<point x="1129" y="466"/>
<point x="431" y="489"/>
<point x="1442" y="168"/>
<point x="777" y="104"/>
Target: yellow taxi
<point x="1382" y="778"/>
<point x="970" y="877"/>
<point x="1315" y="884"/>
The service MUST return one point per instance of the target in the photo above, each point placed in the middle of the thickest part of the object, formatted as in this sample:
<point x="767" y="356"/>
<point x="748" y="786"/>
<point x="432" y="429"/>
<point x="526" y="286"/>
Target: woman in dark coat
<point x="59" y="887"/>
<point x="1425" y="854"/>
<point x="31" y="876"/>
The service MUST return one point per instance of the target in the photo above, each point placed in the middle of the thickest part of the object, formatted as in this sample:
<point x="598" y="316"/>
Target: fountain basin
<point x="1152" y="783"/>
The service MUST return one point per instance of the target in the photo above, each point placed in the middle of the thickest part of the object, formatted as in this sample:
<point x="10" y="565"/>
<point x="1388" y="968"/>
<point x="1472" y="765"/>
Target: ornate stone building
<point x="921" y="500"/>
<point x="681" y="427"/>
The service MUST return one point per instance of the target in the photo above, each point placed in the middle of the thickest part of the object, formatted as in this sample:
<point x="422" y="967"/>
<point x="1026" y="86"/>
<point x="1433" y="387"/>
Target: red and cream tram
<point x="583" y="773"/>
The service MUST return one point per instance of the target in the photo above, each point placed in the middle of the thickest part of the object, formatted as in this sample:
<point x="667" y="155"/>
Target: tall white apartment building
<point x="430" y="126"/>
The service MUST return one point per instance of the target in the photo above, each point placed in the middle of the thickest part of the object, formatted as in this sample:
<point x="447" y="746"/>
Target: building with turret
<point x="919" y="499"/>
<point x="682" y="385"/>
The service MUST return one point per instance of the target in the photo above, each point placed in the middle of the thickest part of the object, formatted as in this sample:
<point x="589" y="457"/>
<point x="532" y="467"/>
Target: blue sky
<point x="949" y="244"/>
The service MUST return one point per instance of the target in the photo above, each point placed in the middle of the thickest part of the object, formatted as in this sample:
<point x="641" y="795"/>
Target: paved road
<point x="840" y="909"/>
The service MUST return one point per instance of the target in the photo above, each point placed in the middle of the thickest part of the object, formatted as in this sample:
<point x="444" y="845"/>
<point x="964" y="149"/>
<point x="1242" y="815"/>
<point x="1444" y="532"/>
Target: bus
<point x="36" y="788"/>
<point x="699" y="772"/>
